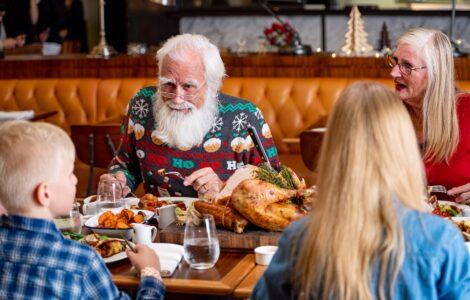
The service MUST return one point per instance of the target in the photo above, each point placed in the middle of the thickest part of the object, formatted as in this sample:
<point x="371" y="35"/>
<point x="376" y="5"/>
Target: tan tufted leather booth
<point x="290" y="105"/>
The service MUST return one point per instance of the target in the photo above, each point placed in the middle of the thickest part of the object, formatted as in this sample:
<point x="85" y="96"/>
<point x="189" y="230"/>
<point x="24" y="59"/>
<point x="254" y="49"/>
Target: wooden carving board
<point x="228" y="240"/>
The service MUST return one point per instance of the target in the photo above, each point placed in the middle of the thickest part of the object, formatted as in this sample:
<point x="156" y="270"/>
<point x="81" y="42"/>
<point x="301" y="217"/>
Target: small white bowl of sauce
<point x="264" y="254"/>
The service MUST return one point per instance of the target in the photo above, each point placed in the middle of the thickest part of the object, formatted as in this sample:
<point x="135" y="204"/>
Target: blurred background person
<point x="52" y="23"/>
<point x="368" y="235"/>
<point x="75" y="24"/>
<point x="423" y="72"/>
<point x="6" y="42"/>
<point x="21" y="19"/>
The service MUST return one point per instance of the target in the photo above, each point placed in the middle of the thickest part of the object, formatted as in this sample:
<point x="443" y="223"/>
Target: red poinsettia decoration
<point x="279" y="34"/>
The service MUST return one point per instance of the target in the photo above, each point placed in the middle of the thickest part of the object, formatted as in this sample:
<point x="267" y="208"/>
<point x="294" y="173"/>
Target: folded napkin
<point x="170" y="256"/>
<point x="16" y="115"/>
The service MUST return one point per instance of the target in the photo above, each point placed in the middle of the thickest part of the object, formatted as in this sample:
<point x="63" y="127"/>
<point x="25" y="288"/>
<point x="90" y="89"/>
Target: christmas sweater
<point x="225" y="147"/>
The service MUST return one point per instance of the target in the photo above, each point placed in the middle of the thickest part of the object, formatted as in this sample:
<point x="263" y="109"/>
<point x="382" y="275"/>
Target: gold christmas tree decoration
<point x="356" y="37"/>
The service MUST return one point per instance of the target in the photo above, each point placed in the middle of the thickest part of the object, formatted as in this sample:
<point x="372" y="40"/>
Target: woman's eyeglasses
<point x="405" y="68"/>
<point x="190" y="94"/>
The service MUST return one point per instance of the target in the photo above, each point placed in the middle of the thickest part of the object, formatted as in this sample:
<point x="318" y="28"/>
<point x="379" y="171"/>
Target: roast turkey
<point x="268" y="206"/>
<point x="265" y="197"/>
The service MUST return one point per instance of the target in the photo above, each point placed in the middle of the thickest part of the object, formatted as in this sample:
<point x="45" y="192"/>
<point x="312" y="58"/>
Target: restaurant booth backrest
<point x="289" y="105"/>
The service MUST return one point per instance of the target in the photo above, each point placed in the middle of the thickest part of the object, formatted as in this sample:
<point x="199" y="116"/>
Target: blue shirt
<point x="37" y="262"/>
<point x="436" y="263"/>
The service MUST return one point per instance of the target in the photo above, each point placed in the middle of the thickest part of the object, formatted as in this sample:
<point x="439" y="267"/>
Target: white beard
<point x="184" y="129"/>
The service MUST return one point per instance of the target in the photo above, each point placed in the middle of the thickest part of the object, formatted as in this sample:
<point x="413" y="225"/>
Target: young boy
<point x="37" y="183"/>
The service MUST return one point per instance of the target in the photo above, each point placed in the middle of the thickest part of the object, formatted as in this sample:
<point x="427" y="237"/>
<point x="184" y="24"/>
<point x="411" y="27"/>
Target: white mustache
<point x="180" y="106"/>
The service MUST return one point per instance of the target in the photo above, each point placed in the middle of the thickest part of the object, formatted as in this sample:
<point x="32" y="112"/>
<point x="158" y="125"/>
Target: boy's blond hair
<point x="30" y="153"/>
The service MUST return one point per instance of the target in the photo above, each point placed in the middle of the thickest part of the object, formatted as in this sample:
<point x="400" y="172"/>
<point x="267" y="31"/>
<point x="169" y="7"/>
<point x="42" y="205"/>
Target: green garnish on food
<point x="178" y="211"/>
<point x="282" y="179"/>
<point x="73" y="235"/>
<point x="449" y="210"/>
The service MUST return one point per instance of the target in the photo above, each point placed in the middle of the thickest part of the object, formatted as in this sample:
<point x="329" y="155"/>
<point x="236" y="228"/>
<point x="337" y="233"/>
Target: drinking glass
<point x="70" y="222"/>
<point x="201" y="245"/>
<point x="109" y="195"/>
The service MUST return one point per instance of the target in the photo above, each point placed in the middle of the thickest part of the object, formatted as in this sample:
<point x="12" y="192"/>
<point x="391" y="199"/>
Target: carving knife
<point x="258" y="145"/>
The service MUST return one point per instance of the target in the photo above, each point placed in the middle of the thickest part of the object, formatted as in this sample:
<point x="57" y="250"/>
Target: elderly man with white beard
<point x="187" y="125"/>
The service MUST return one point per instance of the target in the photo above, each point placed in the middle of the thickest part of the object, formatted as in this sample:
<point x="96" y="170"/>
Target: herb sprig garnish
<point x="282" y="179"/>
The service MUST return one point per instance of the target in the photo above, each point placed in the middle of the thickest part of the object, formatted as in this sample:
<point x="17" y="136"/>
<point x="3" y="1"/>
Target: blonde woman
<point x="367" y="236"/>
<point x="423" y="71"/>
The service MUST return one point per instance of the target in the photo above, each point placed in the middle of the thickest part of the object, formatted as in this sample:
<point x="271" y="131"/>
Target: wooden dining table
<point x="246" y="286"/>
<point x="221" y="280"/>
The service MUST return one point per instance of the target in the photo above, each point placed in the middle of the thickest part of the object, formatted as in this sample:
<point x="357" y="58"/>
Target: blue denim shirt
<point x="436" y="264"/>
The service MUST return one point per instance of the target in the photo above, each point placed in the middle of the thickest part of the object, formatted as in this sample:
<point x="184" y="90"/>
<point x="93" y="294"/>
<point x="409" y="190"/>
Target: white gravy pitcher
<point x="143" y="234"/>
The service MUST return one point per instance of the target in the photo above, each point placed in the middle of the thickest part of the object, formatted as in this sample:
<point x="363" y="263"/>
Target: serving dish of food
<point x="167" y="209"/>
<point x="116" y="222"/>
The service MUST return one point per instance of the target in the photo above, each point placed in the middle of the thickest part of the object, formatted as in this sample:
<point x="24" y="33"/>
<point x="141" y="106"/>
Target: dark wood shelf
<point x="249" y="65"/>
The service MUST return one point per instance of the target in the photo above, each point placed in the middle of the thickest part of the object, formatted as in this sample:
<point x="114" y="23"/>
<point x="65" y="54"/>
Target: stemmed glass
<point x="201" y="245"/>
<point x="109" y="195"/>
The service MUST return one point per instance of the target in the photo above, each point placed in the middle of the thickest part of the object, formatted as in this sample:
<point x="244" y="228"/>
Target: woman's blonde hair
<point x="440" y="124"/>
<point x="30" y="153"/>
<point x="368" y="160"/>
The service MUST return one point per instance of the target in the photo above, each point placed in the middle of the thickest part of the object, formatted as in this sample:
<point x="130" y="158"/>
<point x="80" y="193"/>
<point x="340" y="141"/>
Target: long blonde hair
<point x="368" y="159"/>
<point x="440" y="124"/>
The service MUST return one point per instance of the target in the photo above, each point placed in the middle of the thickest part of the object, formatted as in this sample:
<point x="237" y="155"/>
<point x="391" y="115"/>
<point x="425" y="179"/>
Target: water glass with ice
<point x="201" y="245"/>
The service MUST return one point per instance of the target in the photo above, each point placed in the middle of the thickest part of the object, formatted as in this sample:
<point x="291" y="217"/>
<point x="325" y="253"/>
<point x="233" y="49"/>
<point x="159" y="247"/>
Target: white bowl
<point x="51" y="48"/>
<point x="123" y="233"/>
<point x="264" y="254"/>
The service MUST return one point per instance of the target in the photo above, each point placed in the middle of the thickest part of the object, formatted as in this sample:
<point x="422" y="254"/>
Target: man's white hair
<point x="178" y="48"/>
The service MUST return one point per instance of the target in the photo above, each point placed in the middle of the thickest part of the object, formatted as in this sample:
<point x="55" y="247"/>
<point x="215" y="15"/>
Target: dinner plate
<point x="116" y="257"/>
<point x="463" y="207"/>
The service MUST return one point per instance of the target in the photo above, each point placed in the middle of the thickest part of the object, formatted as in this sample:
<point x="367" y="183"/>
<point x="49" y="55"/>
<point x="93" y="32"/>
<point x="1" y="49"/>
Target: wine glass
<point x="201" y="245"/>
<point x="109" y="195"/>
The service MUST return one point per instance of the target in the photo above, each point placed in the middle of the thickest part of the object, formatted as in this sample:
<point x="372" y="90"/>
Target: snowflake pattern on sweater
<point x="225" y="147"/>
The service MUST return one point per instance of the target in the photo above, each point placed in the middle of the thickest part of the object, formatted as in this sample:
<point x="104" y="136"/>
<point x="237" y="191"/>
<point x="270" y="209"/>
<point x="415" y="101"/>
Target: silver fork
<point x="175" y="173"/>
<point x="128" y="243"/>
<point x="437" y="189"/>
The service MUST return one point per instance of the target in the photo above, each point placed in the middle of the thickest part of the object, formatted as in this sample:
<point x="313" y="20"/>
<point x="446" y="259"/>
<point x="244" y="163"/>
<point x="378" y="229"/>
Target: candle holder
<point x="103" y="49"/>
